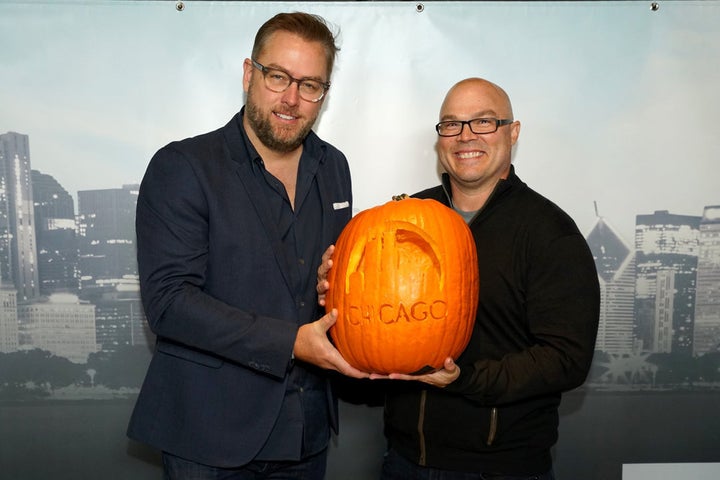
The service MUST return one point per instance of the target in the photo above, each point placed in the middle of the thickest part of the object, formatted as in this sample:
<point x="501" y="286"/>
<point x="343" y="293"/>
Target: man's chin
<point x="287" y="140"/>
<point x="283" y="145"/>
<point x="287" y="147"/>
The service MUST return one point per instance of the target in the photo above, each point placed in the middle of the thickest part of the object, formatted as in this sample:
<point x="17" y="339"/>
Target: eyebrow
<point x="275" y="66"/>
<point x="482" y="114"/>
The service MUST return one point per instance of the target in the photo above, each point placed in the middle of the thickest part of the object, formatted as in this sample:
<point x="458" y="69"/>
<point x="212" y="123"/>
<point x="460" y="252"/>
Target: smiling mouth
<point x="469" y="155"/>
<point x="285" y="116"/>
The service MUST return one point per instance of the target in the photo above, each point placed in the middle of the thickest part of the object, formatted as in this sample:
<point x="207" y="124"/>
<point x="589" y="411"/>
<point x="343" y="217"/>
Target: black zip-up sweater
<point x="533" y="338"/>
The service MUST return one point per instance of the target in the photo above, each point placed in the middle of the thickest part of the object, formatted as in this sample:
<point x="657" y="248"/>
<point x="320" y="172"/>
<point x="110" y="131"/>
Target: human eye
<point x="449" y="127"/>
<point x="277" y="77"/>
<point x="483" y="122"/>
<point x="310" y="86"/>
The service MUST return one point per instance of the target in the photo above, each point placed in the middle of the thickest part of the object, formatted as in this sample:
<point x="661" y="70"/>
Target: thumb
<point x="450" y="364"/>
<point x="329" y="320"/>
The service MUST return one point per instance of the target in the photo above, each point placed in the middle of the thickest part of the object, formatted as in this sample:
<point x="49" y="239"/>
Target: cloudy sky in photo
<point x="618" y="103"/>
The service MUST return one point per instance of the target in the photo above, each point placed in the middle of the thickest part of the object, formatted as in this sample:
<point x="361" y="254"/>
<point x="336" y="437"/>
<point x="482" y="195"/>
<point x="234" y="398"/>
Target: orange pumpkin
<point x="405" y="283"/>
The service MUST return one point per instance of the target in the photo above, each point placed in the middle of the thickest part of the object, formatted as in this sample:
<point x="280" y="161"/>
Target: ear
<point x="247" y="73"/>
<point x="514" y="131"/>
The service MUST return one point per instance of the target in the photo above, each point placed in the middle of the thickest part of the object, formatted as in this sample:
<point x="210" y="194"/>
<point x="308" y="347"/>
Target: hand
<point x="440" y="378"/>
<point x="322" y="284"/>
<point x="313" y="346"/>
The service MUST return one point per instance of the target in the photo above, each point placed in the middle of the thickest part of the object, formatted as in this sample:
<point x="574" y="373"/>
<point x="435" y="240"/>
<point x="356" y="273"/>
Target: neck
<point x="282" y="165"/>
<point x="470" y="200"/>
<point x="473" y="197"/>
<point x="273" y="159"/>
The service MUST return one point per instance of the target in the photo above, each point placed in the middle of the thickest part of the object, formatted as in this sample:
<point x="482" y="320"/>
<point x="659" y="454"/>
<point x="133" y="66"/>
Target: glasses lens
<point x="452" y="128"/>
<point x="276" y="80"/>
<point x="483" y="125"/>
<point x="449" y="129"/>
<point x="311" y="90"/>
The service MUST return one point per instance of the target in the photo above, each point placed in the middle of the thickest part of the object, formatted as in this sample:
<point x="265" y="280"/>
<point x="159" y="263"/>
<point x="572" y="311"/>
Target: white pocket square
<point x="339" y="205"/>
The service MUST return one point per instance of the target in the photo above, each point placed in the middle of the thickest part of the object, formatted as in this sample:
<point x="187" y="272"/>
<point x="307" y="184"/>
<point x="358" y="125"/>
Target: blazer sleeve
<point x="173" y="224"/>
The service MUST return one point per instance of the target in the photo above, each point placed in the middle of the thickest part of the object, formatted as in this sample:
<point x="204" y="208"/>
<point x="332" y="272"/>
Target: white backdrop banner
<point x="618" y="103"/>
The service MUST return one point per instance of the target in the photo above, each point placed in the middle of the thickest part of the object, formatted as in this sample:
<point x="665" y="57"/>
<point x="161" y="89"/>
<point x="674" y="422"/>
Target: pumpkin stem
<point x="402" y="196"/>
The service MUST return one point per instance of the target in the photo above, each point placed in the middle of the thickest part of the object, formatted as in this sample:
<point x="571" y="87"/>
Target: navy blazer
<point x="216" y="291"/>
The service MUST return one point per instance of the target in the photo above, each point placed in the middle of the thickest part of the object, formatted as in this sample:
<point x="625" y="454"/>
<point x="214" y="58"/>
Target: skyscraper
<point x="18" y="251"/>
<point x="8" y="319"/>
<point x="56" y="236"/>
<point x="106" y="236"/>
<point x="60" y="324"/>
<point x="707" y="298"/>
<point x="615" y="264"/>
<point x="108" y="265"/>
<point x="666" y="248"/>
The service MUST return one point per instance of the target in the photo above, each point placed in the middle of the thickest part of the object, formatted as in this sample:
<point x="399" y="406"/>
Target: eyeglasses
<point x="278" y="81"/>
<point x="452" y="128"/>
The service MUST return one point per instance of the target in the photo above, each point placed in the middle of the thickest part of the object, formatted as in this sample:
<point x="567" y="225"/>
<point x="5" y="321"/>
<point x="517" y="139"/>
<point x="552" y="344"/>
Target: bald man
<point x="493" y="413"/>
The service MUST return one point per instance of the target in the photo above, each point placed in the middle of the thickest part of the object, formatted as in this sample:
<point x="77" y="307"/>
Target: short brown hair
<point x="312" y="28"/>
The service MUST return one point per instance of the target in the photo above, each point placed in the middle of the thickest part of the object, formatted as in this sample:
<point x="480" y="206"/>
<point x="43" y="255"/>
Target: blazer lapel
<point x="327" y="233"/>
<point x="235" y="144"/>
<point x="254" y="191"/>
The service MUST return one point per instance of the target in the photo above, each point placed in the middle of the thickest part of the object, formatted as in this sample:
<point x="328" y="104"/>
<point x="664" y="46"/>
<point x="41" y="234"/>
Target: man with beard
<point x="231" y="226"/>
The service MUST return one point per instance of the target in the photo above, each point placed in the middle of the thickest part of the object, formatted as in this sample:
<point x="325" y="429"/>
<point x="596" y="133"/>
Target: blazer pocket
<point x="189" y="354"/>
<point x="341" y="215"/>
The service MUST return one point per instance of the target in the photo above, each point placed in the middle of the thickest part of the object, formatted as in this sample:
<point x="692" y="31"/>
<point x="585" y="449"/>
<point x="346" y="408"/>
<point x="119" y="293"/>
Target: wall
<point x="618" y="104"/>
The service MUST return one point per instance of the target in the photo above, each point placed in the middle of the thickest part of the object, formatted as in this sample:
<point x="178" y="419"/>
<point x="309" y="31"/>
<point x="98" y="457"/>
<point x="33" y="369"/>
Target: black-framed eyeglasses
<point x="278" y="81"/>
<point x="452" y="128"/>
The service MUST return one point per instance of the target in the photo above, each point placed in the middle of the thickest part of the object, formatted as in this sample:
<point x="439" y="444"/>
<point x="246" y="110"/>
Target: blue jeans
<point x="311" y="468"/>
<point x="397" y="467"/>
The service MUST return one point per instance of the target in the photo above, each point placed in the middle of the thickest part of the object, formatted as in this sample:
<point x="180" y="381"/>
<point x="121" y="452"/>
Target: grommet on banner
<point x="654" y="6"/>
<point x="419" y="7"/>
<point x="179" y="6"/>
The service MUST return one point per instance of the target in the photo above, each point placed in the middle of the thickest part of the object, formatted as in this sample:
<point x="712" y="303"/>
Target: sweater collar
<point x="503" y="186"/>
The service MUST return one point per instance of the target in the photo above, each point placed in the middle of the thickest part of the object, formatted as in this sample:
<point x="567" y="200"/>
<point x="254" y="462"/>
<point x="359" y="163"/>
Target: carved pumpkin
<point x="405" y="283"/>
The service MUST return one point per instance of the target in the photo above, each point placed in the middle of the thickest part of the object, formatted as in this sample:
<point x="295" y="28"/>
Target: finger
<point x="350" y="371"/>
<point x="327" y="254"/>
<point x="354" y="372"/>
<point x="339" y="363"/>
<point x="450" y="364"/>
<point x="322" y="287"/>
<point x="322" y="271"/>
<point x="329" y="319"/>
<point x="326" y="260"/>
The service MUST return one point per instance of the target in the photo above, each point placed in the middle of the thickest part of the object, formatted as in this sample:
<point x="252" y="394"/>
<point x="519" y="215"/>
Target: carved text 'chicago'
<point x="386" y="313"/>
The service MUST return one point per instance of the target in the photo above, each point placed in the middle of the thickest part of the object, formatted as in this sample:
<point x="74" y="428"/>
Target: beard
<point x="284" y="139"/>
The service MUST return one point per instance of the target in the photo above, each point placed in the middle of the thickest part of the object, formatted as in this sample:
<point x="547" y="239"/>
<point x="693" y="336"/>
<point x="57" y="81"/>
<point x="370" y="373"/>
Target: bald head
<point x="478" y="88"/>
<point x="474" y="161"/>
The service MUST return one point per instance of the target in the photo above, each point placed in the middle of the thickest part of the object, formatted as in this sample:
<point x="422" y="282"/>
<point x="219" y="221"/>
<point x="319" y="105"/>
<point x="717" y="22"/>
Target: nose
<point x="466" y="133"/>
<point x="291" y="95"/>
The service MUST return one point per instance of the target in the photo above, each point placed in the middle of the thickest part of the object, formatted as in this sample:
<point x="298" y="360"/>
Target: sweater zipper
<point x="493" y="426"/>
<point x="421" y="432"/>
<point x="477" y="214"/>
